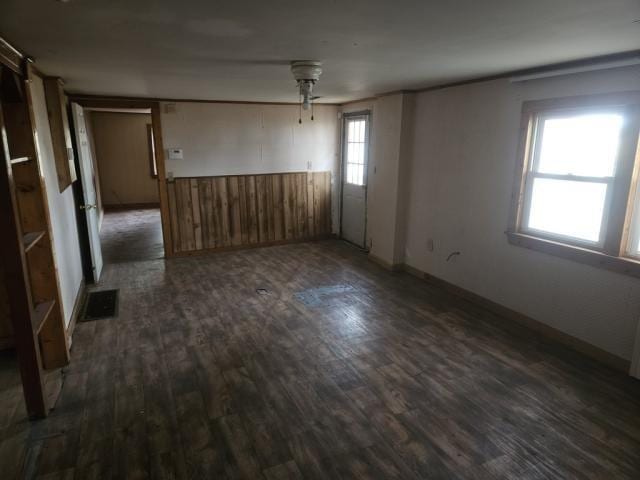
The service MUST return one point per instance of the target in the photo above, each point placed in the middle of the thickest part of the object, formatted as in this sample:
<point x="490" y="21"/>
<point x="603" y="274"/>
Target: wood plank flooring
<point x="201" y="377"/>
<point x="130" y="235"/>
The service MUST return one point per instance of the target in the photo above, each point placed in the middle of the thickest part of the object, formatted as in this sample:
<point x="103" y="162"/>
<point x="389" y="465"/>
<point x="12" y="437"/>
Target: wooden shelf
<point x="41" y="313"/>
<point x="33" y="292"/>
<point x="17" y="160"/>
<point x="30" y="239"/>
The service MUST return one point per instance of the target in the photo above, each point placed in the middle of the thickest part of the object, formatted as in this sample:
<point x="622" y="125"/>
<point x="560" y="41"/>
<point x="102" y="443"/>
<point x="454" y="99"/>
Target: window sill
<point x="623" y="265"/>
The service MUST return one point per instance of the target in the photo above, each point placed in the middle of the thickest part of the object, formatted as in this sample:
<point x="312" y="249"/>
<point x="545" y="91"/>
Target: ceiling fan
<point x="306" y="73"/>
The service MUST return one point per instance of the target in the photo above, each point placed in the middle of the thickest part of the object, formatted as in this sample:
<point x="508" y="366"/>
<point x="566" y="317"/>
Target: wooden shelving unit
<point x="15" y="161"/>
<point x="30" y="239"/>
<point x="26" y="250"/>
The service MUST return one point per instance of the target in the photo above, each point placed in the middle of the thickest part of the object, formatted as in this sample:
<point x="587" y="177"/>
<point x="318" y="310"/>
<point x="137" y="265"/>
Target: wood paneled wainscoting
<point x="242" y="210"/>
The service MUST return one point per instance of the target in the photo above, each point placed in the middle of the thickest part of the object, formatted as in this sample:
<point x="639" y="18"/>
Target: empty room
<point x="342" y="240"/>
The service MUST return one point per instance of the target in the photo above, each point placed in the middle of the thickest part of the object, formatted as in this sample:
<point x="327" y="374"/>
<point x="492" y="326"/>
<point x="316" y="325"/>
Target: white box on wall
<point x="175" y="154"/>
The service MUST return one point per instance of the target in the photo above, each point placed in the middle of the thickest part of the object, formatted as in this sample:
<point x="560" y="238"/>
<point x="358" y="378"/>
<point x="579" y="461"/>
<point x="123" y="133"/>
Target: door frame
<point x="343" y="146"/>
<point x="156" y="125"/>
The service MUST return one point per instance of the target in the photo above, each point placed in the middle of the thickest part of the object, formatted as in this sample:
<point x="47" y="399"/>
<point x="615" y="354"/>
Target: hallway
<point x="131" y="235"/>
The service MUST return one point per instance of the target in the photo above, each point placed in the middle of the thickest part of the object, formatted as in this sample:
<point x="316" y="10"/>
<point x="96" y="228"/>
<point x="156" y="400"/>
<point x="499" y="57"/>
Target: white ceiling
<point x="239" y="50"/>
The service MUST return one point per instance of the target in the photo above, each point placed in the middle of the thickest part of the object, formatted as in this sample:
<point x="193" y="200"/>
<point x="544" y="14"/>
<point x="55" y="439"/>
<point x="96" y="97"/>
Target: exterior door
<point x="88" y="179"/>
<point x="355" y="158"/>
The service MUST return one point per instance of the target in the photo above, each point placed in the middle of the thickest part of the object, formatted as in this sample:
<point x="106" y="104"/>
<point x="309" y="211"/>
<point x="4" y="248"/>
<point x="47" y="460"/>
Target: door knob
<point x="88" y="207"/>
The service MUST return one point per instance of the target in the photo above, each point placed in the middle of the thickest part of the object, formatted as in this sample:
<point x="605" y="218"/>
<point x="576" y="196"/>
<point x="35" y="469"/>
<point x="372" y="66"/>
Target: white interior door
<point x="88" y="179"/>
<point x="355" y="158"/>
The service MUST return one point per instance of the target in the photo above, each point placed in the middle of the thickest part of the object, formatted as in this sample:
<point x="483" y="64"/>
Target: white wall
<point x="61" y="208"/>
<point x="461" y="169"/>
<point x="382" y="188"/>
<point x="237" y="139"/>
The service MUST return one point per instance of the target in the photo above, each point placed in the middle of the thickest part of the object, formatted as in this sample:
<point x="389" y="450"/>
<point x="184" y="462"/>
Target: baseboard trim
<point x="233" y="248"/>
<point x="393" y="267"/>
<point x="130" y="206"/>
<point x="519" y="321"/>
<point x="77" y="306"/>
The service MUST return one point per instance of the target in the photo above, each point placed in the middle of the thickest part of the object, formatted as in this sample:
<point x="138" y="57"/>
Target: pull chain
<point x="300" y="111"/>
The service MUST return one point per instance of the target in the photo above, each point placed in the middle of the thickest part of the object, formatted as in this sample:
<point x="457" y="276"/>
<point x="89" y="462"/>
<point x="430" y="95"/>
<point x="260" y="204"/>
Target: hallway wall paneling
<point x="240" y="210"/>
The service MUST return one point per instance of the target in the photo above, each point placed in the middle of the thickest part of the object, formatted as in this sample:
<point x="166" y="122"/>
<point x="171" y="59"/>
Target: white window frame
<point x="619" y="223"/>
<point x="532" y="174"/>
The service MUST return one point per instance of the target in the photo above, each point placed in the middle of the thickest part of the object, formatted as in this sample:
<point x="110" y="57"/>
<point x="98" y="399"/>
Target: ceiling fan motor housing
<point x="306" y="70"/>
<point x="306" y="74"/>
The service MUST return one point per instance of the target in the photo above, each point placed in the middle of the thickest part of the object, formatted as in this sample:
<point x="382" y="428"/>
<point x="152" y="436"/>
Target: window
<point x="576" y="193"/>
<point x="153" y="166"/>
<point x="356" y="140"/>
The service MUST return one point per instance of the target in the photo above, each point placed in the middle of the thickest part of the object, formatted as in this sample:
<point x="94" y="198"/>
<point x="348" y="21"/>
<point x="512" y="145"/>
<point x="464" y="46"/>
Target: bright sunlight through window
<point x="355" y="151"/>
<point x="571" y="175"/>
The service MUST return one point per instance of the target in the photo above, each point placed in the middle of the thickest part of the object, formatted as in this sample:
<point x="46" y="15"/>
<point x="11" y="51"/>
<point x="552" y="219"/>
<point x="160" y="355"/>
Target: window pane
<point x="355" y="151"/>
<point x="360" y="131"/>
<point x="635" y="246"/>
<point x="356" y="131"/>
<point x="568" y="208"/>
<point x="349" y="173"/>
<point x="358" y="153"/>
<point x="633" y="243"/>
<point x="584" y="145"/>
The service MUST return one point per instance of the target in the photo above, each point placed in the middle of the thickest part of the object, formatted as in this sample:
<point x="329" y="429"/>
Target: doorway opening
<point x="355" y="160"/>
<point x="119" y="159"/>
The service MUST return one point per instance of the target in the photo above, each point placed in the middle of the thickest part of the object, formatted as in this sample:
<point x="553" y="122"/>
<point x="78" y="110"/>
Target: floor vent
<point x="100" y="304"/>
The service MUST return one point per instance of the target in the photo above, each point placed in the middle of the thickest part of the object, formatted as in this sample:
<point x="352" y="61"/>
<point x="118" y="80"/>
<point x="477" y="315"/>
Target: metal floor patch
<point x="327" y="296"/>
<point x="100" y="304"/>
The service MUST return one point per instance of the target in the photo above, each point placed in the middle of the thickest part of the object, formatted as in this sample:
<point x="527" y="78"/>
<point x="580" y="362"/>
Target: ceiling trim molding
<point x="360" y="100"/>
<point x="584" y="62"/>
<point x="82" y="96"/>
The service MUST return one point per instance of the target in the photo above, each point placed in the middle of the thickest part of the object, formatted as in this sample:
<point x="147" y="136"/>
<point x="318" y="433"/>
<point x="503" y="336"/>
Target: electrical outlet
<point x="309" y="165"/>
<point x="430" y="244"/>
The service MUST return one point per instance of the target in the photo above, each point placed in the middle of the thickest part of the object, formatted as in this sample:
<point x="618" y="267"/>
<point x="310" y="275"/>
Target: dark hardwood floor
<point x="379" y="376"/>
<point x="131" y="235"/>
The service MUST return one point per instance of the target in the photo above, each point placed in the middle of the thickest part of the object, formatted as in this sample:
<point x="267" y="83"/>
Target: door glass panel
<point x="355" y="151"/>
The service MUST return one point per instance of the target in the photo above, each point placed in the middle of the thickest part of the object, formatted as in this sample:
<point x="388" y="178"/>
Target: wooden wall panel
<point x="231" y="211"/>
<point x="278" y="208"/>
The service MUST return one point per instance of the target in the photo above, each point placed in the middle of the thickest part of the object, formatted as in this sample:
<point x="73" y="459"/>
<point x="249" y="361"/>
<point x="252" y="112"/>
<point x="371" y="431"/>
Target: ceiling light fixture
<point x="306" y="73"/>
